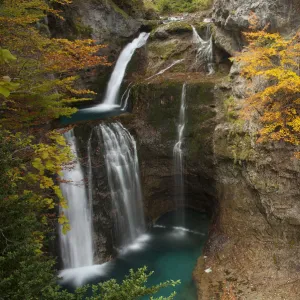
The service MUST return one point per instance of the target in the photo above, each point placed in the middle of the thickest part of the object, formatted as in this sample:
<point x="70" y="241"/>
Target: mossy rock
<point x="150" y="25"/>
<point x="200" y="119"/>
<point x="164" y="50"/>
<point x="175" y="28"/>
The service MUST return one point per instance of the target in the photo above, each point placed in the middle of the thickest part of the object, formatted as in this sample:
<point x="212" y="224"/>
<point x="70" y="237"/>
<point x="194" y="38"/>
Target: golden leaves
<point x="276" y="60"/>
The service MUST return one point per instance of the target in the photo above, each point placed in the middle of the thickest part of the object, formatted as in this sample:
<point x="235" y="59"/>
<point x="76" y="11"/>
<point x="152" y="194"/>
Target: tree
<point x="275" y="60"/>
<point x="45" y="69"/>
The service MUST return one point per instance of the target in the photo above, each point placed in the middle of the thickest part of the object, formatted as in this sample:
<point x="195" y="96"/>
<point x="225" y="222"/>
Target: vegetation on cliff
<point x="275" y="61"/>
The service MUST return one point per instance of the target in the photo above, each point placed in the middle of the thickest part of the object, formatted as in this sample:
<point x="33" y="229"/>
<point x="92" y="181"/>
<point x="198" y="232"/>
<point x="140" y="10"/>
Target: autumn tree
<point x="44" y="68"/>
<point x="37" y="84"/>
<point x="276" y="61"/>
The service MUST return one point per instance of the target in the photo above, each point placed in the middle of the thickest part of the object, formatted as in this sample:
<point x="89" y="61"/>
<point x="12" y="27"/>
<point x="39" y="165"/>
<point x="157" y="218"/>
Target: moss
<point x="151" y="25"/>
<point x="177" y="6"/>
<point x="164" y="50"/>
<point x="178" y="27"/>
<point x="162" y="103"/>
<point x="118" y="9"/>
<point x="82" y="30"/>
<point x="134" y="8"/>
<point x="200" y="116"/>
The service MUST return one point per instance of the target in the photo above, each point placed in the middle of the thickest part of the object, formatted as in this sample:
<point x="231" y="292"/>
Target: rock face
<point x="102" y="20"/>
<point x="254" y="244"/>
<point x="280" y="15"/>
<point x="154" y="123"/>
<point x="232" y="17"/>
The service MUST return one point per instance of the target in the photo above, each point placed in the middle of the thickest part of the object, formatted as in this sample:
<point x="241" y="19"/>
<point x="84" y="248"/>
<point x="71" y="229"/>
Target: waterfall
<point x="125" y="98"/>
<point x="76" y="245"/>
<point x="118" y="74"/>
<point x="166" y="69"/>
<point x="178" y="156"/>
<point x="205" y="50"/>
<point x="124" y="181"/>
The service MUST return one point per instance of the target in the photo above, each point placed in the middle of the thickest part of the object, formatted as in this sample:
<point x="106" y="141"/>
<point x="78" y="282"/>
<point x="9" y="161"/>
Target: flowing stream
<point x="111" y="104"/>
<point x="205" y="50"/>
<point x="124" y="181"/>
<point x="77" y="244"/>
<point x="178" y="158"/>
<point x="114" y="84"/>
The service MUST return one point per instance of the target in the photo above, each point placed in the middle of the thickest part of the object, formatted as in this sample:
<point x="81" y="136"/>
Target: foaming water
<point x="205" y="50"/>
<point x="76" y="244"/>
<point x="139" y="244"/>
<point x="170" y="252"/>
<point x="178" y="229"/>
<point x="123" y="173"/>
<point x="111" y="105"/>
<point x="118" y="74"/>
<point x="188" y="230"/>
<point x="79" y="276"/>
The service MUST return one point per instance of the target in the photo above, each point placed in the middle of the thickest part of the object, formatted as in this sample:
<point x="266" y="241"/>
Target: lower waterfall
<point x="178" y="158"/>
<point x="76" y="244"/>
<point x="124" y="182"/>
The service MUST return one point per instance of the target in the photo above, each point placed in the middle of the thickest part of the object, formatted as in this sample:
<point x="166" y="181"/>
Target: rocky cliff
<point x="254" y="244"/>
<point x="232" y="17"/>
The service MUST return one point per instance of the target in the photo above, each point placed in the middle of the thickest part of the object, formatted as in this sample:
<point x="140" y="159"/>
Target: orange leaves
<point x="67" y="56"/>
<point x="46" y="69"/>
<point x="276" y="60"/>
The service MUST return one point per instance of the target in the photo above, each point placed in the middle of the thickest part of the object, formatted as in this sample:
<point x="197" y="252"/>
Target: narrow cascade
<point x="178" y="158"/>
<point x="76" y="245"/>
<point x="124" y="181"/>
<point x="205" y="50"/>
<point x="166" y="69"/>
<point x="114" y="84"/>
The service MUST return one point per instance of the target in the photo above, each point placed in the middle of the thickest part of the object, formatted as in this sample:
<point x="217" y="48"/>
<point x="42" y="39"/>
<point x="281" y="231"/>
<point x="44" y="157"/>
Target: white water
<point x="110" y="102"/>
<point x="90" y="173"/>
<point x="172" y="19"/>
<point x="76" y="245"/>
<point x="117" y="76"/>
<point x="166" y="69"/>
<point x="125" y="98"/>
<point x="205" y="50"/>
<point x="178" y="154"/>
<point x="124" y="181"/>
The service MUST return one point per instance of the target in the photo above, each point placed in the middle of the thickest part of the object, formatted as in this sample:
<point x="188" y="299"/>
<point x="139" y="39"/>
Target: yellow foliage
<point x="277" y="60"/>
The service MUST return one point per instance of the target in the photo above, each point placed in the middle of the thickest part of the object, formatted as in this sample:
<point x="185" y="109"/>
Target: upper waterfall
<point x="124" y="181"/>
<point x="205" y="50"/>
<point x="114" y="84"/>
<point x="77" y="244"/>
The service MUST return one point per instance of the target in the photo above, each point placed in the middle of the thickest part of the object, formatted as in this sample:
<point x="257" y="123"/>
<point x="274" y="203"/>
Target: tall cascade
<point x="114" y="84"/>
<point x="77" y="244"/>
<point x="205" y="50"/>
<point x="178" y="157"/>
<point x="124" y="181"/>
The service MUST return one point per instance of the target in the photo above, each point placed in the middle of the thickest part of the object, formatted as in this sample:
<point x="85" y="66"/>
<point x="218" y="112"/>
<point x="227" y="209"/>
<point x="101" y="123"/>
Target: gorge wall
<point x="254" y="244"/>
